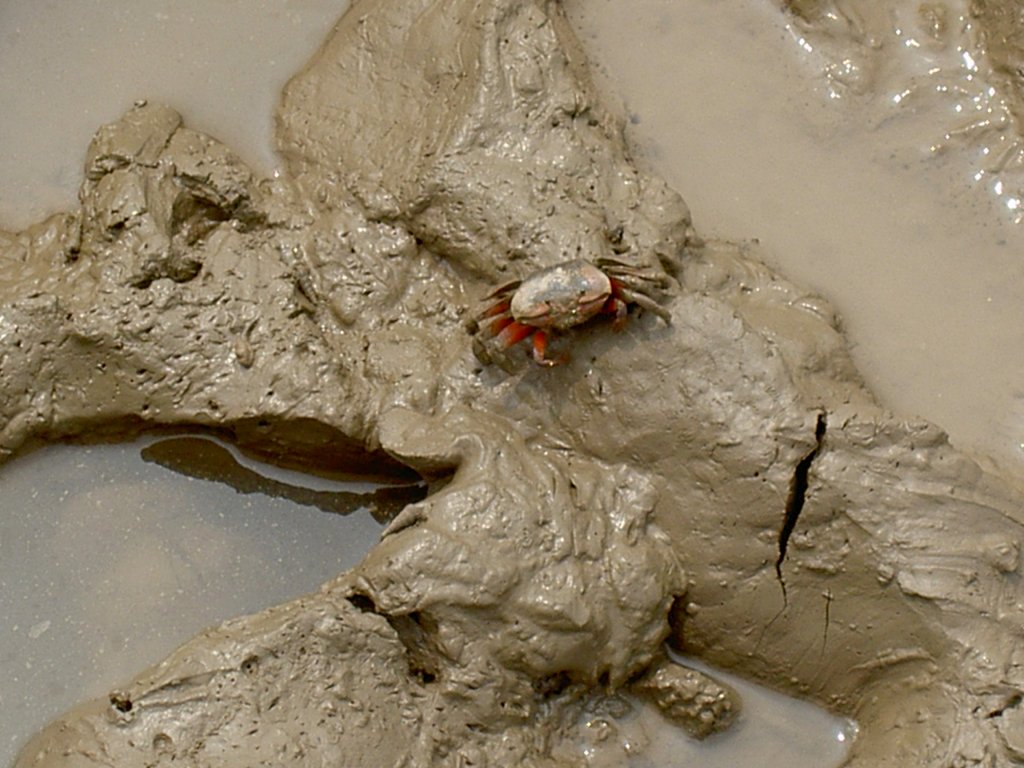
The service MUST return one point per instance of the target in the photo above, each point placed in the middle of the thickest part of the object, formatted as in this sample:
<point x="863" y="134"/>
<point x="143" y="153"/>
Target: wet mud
<point x="722" y="481"/>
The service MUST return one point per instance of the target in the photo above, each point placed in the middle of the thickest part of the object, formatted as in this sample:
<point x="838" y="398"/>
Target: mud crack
<point x="798" y="495"/>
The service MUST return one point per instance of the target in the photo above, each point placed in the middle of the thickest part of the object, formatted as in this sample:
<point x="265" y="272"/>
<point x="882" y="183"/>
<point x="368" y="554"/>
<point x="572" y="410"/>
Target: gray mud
<point x="722" y="480"/>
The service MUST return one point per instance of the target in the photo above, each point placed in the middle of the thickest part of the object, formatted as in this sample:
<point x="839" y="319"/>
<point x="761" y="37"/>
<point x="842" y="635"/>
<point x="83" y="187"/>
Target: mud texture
<point x="959" y="58"/>
<point x="1001" y="38"/>
<point x="723" y="480"/>
<point x="856" y="41"/>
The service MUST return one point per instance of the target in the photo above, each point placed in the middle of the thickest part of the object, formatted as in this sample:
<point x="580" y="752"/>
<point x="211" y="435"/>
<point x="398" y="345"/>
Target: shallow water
<point x="109" y="562"/>
<point x="67" y="72"/>
<point x="771" y="731"/>
<point x="926" y="270"/>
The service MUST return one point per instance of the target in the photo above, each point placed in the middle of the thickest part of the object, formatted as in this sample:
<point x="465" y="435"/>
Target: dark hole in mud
<point x="425" y="676"/>
<point x="676" y="622"/>
<point x="1011" y="703"/>
<point x="552" y="685"/>
<point x="120" y="701"/>
<point x="250" y="665"/>
<point x="415" y="631"/>
<point x="363" y="602"/>
<point x="193" y="218"/>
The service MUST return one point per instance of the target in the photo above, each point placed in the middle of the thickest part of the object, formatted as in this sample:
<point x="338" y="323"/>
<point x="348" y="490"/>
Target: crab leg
<point x="632" y="275"/>
<point x="506" y="289"/>
<point x="496" y="309"/>
<point x="496" y="325"/>
<point x="616" y="306"/>
<point x="514" y="332"/>
<point x="540" y="348"/>
<point x="646" y="302"/>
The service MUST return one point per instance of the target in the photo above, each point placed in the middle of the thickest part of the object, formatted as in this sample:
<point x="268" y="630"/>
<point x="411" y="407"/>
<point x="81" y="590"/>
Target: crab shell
<point x="561" y="296"/>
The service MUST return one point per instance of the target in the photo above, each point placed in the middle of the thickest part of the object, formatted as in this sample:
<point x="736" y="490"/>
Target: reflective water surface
<point x="108" y="562"/>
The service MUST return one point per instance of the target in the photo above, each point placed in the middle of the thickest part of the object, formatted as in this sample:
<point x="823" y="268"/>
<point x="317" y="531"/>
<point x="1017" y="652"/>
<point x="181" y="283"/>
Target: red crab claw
<point x="513" y="332"/>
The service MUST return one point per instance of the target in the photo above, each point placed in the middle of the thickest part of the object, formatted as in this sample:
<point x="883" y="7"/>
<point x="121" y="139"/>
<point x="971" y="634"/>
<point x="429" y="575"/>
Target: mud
<point x="723" y="480"/>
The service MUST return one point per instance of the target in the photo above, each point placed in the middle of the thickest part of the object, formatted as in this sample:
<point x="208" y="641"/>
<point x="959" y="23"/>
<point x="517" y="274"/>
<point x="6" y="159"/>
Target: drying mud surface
<point x="721" y="480"/>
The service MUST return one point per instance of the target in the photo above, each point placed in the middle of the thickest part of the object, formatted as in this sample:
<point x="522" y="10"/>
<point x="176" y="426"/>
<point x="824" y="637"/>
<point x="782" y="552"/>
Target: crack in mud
<point x="1012" y="702"/>
<point x="414" y="631"/>
<point x="829" y="597"/>
<point x="797" y="496"/>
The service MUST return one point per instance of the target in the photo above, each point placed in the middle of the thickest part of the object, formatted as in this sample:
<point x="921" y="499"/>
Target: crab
<point x="561" y="297"/>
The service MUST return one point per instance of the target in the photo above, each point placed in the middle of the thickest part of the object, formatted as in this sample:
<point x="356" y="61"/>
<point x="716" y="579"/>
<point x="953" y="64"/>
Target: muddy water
<point x="926" y="272"/>
<point x="923" y="263"/>
<point x="772" y="731"/>
<point x="65" y="73"/>
<point x="108" y="562"/>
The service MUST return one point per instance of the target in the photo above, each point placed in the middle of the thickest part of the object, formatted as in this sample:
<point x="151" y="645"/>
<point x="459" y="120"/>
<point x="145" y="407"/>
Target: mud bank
<point x="722" y="479"/>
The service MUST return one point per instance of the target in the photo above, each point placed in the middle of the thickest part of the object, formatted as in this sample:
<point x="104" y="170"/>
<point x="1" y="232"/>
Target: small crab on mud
<point x="561" y="297"/>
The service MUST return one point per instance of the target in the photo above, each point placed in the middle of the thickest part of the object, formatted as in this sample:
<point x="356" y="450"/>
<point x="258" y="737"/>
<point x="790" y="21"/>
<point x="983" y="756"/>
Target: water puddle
<point x="109" y="561"/>
<point x="771" y="730"/>
<point x="221" y="64"/>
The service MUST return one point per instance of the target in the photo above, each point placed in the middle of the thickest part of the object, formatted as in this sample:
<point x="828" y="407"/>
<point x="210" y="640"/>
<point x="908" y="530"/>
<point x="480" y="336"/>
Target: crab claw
<point x="515" y="332"/>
